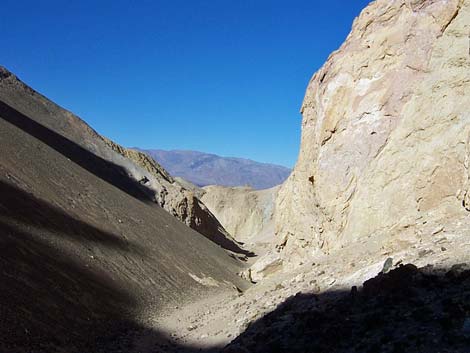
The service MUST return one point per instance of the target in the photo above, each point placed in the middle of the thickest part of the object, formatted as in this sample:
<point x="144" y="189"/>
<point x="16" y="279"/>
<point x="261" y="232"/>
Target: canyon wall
<point x="385" y="131"/>
<point x="155" y="181"/>
<point x="247" y="214"/>
<point x="86" y="254"/>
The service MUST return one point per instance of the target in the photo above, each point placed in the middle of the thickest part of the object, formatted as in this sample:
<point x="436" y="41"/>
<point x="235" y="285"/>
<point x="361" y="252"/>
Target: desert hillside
<point x="364" y="248"/>
<point x="176" y="196"/>
<point x="86" y="250"/>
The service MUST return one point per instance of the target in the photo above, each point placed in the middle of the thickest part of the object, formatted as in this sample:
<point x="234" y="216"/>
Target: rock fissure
<point x="453" y="17"/>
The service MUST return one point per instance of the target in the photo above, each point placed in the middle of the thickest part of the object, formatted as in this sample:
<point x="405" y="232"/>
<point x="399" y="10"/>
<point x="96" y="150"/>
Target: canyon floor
<point x="276" y="314"/>
<point x="363" y="249"/>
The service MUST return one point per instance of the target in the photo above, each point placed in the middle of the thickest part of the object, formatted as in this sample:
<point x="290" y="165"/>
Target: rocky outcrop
<point x="174" y="198"/>
<point x="385" y="132"/>
<point x="247" y="214"/>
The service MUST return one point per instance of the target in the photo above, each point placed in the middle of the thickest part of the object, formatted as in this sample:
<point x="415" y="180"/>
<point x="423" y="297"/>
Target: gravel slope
<point x="85" y="255"/>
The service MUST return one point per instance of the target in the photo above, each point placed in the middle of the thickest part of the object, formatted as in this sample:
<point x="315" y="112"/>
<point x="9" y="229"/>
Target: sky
<point x="219" y="76"/>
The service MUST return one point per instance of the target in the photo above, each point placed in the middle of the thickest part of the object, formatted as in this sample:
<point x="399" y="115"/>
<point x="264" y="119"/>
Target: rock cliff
<point x="385" y="133"/>
<point x="247" y="214"/>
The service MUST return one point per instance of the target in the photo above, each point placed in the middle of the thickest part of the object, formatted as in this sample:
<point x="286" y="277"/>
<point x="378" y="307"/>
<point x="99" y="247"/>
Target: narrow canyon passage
<point x="364" y="248"/>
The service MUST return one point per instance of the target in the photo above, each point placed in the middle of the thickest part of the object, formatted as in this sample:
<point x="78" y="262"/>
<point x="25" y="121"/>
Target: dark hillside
<point x="84" y="253"/>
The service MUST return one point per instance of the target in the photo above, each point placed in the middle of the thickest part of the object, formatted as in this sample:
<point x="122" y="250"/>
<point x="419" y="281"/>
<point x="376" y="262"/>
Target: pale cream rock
<point x="385" y="131"/>
<point x="268" y="264"/>
<point x="247" y="214"/>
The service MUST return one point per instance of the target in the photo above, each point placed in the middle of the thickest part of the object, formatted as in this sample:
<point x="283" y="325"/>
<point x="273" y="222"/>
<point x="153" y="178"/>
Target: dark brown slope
<point x="161" y="187"/>
<point x="84" y="253"/>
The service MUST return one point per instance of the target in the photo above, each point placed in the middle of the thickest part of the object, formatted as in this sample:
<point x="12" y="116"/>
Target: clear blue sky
<point x="220" y="76"/>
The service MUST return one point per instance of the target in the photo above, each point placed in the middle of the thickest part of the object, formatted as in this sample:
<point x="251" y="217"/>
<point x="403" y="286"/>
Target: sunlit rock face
<point x="385" y="131"/>
<point x="245" y="213"/>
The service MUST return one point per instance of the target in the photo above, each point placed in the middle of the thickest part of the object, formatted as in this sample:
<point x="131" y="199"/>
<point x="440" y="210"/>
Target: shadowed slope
<point x="106" y="170"/>
<point x="126" y="169"/>
<point x="83" y="260"/>
<point x="103" y="169"/>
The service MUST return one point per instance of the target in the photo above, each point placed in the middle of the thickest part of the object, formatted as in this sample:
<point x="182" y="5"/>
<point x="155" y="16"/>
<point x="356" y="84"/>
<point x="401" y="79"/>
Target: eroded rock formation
<point x="385" y="131"/>
<point x="247" y="214"/>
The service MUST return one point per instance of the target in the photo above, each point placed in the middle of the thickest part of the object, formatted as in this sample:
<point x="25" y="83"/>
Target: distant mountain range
<point x="204" y="169"/>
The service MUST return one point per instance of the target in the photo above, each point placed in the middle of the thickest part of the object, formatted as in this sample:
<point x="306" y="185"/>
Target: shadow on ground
<point x="51" y="301"/>
<point x="49" y="296"/>
<point x="406" y="310"/>
<point x="53" y="298"/>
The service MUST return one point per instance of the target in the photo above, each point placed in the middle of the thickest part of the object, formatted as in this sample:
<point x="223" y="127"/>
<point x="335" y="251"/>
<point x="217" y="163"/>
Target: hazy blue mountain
<point x="204" y="169"/>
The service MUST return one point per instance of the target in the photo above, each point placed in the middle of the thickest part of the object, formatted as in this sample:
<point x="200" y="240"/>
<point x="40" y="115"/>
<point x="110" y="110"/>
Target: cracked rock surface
<point x="385" y="131"/>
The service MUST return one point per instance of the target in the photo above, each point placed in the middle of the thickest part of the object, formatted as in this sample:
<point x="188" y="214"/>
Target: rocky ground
<point x="423" y="299"/>
<point x="371" y="252"/>
<point x="408" y="309"/>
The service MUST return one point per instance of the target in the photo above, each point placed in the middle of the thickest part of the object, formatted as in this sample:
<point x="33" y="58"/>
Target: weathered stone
<point x="247" y="214"/>
<point x="385" y="131"/>
<point x="266" y="265"/>
<point x="387" y="265"/>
